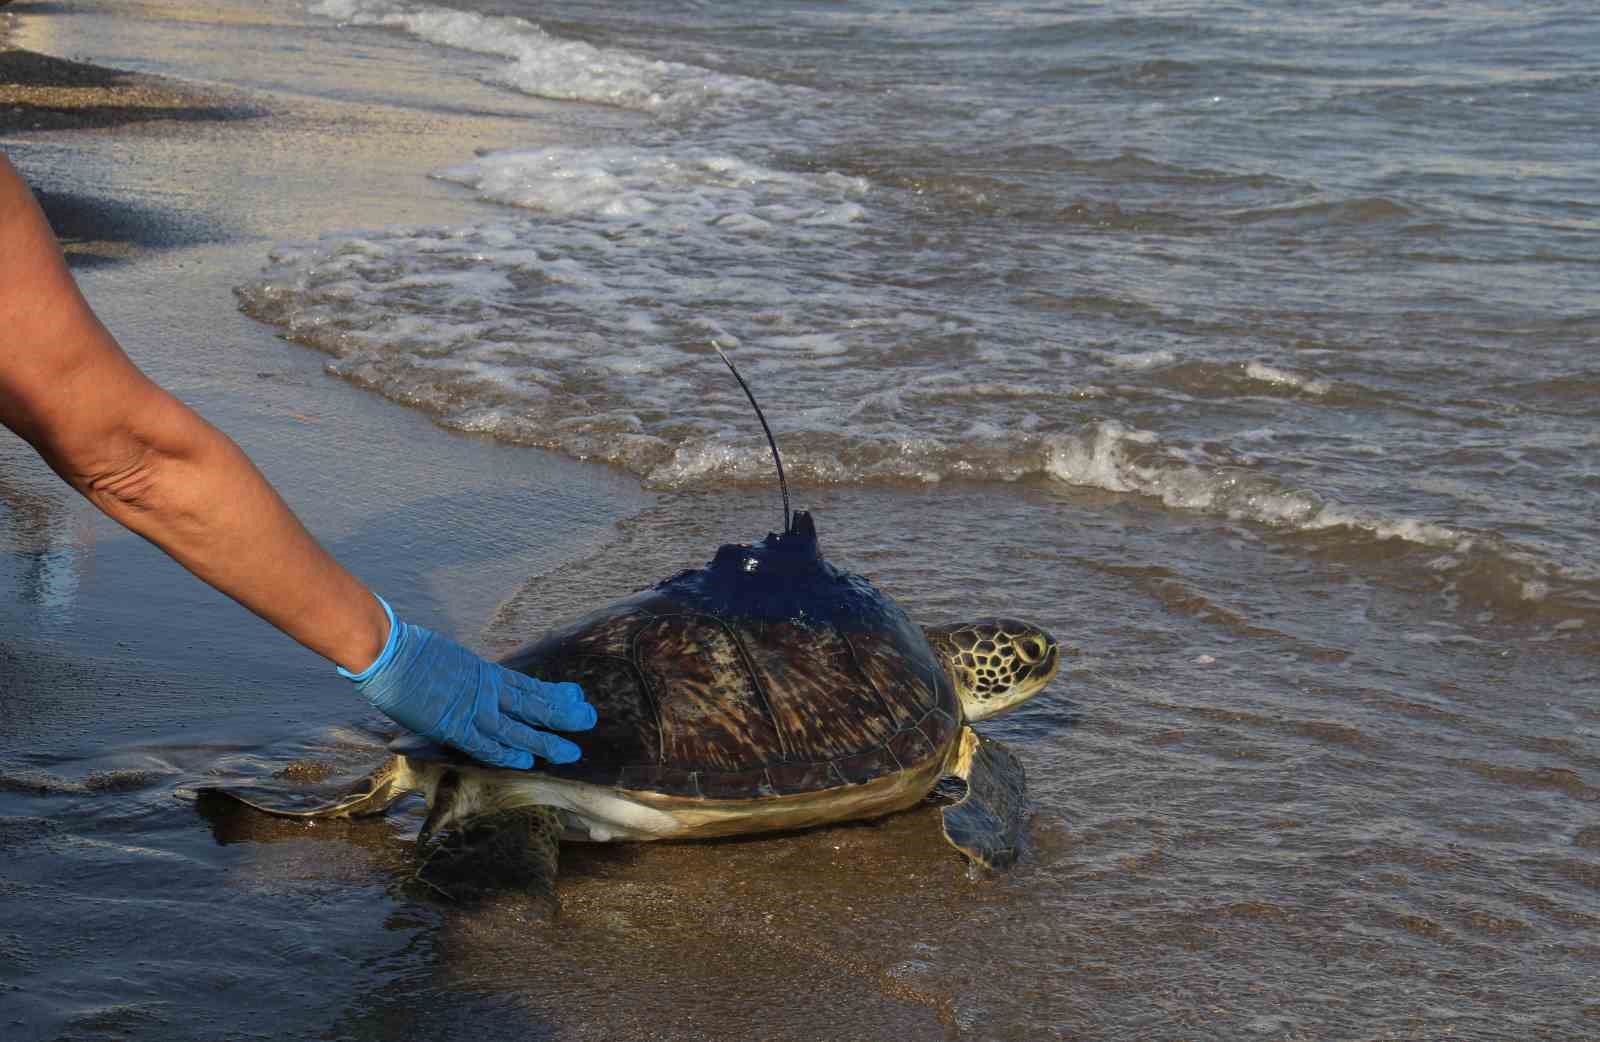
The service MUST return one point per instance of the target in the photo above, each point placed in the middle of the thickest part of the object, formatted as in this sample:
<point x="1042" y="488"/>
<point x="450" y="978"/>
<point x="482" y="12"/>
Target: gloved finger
<point x="541" y="743"/>
<point x="486" y="750"/>
<point x="563" y="692"/>
<point x="531" y="702"/>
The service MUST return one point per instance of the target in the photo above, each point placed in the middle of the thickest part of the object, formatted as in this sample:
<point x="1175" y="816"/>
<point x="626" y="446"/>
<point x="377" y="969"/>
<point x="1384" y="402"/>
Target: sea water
<point x="1327" y="273"/>
<point x="1251" y="349"/>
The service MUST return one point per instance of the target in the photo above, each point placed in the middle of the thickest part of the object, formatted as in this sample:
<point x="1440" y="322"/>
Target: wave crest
<point x="549" y="67"/>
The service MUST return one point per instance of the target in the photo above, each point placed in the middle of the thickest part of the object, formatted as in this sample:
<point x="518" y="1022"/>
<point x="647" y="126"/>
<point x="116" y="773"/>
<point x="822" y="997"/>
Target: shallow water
<point x="1327" y="273"/>
<point x="1248" y="351"/>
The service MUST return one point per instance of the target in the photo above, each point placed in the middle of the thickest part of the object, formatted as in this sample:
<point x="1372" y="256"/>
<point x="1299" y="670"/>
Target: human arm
<point x="155" y="466"/>
<point x="151" y="463"/>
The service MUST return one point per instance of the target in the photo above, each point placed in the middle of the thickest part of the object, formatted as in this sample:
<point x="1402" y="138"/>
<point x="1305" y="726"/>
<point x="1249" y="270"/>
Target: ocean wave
<point x="1218" y="379"/>
<point x="1576" y="394"/>
<point x="589" y="335"/>
<point x="1274" y="377"/>
<point x="1133" y="167"/>
<point x="1482" y="571"/>
<point x="498" y="330"/>
<point x="546" y="66"/>
<point x="670" y="190"/>
<point x="1138" y="360"/>
<point x="1338" y="212"/>
<point x="1112" y="456"/>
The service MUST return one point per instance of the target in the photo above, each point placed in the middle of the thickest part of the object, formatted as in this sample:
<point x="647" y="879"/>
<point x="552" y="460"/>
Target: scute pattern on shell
<point x="818" y="723"/>
<point x="693" y="704"/>
<point x="713" y="716"/>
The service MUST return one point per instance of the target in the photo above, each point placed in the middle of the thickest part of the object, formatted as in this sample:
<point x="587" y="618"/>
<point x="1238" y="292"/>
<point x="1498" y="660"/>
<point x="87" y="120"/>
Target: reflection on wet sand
<point x="43" y="535"/>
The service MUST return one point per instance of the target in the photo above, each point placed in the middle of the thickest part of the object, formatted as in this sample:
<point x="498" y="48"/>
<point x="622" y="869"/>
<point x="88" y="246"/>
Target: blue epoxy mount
<point x="783" y="577"/>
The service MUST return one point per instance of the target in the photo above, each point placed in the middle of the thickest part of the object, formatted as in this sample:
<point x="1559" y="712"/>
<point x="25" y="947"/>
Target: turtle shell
<point x="766" y="673"/>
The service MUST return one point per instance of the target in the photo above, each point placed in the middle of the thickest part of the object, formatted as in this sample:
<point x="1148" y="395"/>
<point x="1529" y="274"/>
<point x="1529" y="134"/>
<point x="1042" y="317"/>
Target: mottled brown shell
<point x="694" y="704"/>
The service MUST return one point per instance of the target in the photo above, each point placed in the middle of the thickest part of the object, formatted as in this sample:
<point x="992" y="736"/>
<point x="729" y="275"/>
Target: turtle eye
<point x="1032" y="649"/>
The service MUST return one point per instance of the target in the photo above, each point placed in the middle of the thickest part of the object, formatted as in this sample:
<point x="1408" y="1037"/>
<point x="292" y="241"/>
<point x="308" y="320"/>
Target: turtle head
<point x="995" y="663"/>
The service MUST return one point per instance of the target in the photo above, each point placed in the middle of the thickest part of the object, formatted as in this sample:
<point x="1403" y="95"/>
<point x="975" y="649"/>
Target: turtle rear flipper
<point x="507" y="853"/>
<point x="989" y="823"/>
<point x="370" y="796"/>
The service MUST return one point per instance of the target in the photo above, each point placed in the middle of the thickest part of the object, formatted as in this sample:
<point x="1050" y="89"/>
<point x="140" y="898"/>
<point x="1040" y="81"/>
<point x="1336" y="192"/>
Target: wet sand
<point x="119" y="673"/>
<point x="166" y="195"/>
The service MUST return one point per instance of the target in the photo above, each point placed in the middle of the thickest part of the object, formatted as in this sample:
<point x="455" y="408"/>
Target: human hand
<point x="444" y="692"/>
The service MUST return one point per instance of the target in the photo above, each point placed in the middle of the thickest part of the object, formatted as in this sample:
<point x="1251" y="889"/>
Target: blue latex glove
<point x="444" y="692"/>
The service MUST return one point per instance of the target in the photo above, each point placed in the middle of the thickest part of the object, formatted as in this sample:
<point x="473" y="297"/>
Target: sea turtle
<point x="765" y="691"/>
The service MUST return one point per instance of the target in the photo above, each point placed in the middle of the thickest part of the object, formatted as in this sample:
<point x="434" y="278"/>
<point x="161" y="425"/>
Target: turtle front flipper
<point x="989" y="823"/>
<point x="370" y="796"/>
<point x="468" y="857"/>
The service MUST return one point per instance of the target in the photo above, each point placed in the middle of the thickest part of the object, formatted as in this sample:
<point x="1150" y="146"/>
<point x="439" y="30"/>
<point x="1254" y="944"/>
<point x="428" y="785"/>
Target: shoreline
<point x="167" y="195"/>
<point x="247" y="148"/>
<point x="41" y="92"/>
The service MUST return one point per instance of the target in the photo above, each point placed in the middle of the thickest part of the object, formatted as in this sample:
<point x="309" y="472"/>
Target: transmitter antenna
<point x="782" y="484"/>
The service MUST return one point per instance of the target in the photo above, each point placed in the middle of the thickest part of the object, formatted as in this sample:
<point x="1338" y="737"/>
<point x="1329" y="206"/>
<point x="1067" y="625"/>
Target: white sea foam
<point x="1141" y="359"/>
<point x="681" y="195"/>
<point x="1112" y="456"/>
<point x="547" y="66"/>
<point x="580" y="324"/>
<point x="561" y="335"/>
<point x="1283" y="378"/>
<point x="1101" y="459"/>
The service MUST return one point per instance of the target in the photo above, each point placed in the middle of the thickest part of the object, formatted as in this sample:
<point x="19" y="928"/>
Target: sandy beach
<point x="117" y="664"/>
<point x="166" y="195"/>
<point x="39" y="92"/>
